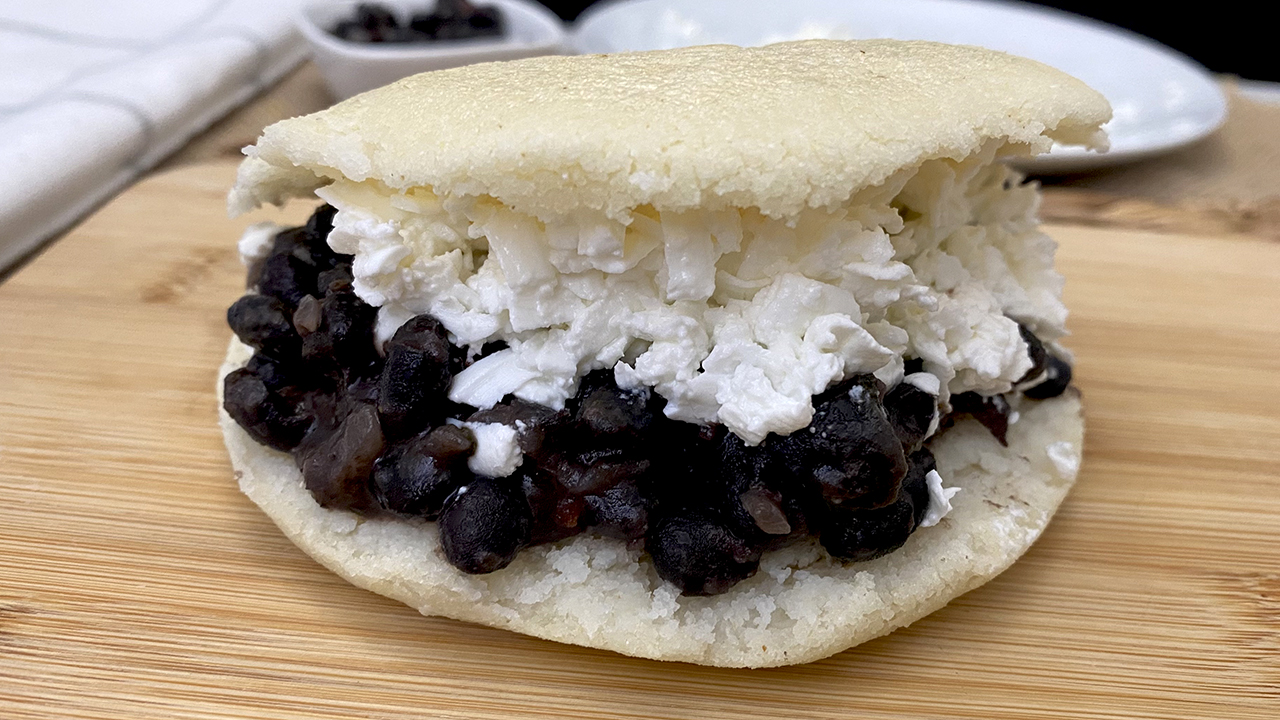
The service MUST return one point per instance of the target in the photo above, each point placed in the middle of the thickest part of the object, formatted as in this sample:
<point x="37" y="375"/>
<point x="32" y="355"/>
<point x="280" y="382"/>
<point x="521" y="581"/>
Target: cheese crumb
<point x="939" y="499"/>
<point x="256" y="242"/>
<point x="497" y="452"/>
<point x="1064" y="458"/>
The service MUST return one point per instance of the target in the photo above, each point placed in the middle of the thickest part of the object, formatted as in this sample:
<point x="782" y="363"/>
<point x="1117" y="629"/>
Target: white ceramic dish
<point x="1260" y="91"/>
<point x="352" y="68"/>
<point x="1162" y="99"/>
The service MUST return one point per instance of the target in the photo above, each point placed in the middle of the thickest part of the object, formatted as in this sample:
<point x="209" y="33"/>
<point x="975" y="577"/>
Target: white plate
<point x="1162" y="99"/>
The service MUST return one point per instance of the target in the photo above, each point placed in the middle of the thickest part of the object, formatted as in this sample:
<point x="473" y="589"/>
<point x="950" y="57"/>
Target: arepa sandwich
<point x="734" y="356"/>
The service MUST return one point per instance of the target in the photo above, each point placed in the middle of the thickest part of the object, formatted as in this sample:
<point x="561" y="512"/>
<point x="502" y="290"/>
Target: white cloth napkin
<point x="94" y="93"/>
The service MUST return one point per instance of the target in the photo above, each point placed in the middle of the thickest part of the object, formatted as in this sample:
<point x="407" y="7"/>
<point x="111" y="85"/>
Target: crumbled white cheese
<point x="256" y="242"/>
<point x="732" y="316"/>
<point x="1064" y="457"/>
<point x="925" y="382"/>
<point x="939" y="499"/>
<point x="934" y="422"/>
<point x="497" y="452"/>
<point x="390" y="318"/>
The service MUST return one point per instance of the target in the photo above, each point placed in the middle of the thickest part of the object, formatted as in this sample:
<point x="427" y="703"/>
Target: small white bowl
<point x="351" y="68"/>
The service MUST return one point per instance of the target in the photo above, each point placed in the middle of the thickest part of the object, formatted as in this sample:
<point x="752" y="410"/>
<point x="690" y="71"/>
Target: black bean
<point x="550" y="517"/>
<point x="458" y="20"/>
<point x="458" y="29"/>
<point x="593" y="470"/>
<point x="915" y="486"/>
<point x="273" y="373"/>
<point x="455" y="8"/>
<point x="403" y="35"/>
<point x="849" y="449"/>
<point x="264" y="323"/>
<point x="426" y="23"/>
<point x="317" y="230"/>
<point x="910" y="411"/>
<point x="1057" y="376"/>
<point x="867" y="533"/>
<point x="352" y="31"/>
<point x="990" y="410"/>
<point x="484" y="524"/>
<point x="411" y="391"/>
<point x="604" y="409"/>
<point x="415" y="477"/>
<point x="699" y="554"/>
<point x="599" y="447"/>
<point x="336" y="279"/>
<point x="269" y="418"/>
<point x="289" y="377"/>
<point x="742" y="485"/>
<point x="345" y="336"/>
<point x="295" y="241"/>
<point x="336" y="466"/>
<point x="486" y="22"/>
<point x="320" y="224"/>
<point x="287" y="277"/>
<point x="375" y="17"/>
<point x="1035" y="351"/>
<point x="621" y="511"/>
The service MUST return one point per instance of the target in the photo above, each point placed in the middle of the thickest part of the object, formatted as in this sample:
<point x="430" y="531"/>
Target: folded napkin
<point x="94" y="93"/>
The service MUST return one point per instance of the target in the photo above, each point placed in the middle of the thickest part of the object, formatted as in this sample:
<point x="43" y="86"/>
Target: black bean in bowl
<point x="447" y="20"/>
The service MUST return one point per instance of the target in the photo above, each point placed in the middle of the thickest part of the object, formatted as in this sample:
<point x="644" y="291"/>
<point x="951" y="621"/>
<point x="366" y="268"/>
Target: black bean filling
<point x="448" y="20"/>
<point x="369" y="434"/>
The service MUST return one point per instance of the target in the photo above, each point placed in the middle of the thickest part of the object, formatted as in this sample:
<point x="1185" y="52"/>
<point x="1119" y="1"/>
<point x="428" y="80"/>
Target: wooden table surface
<point x="136" y="582"/>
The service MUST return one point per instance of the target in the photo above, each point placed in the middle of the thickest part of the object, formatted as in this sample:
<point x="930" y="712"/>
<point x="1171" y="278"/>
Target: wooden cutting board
<point x="136" y="582"/>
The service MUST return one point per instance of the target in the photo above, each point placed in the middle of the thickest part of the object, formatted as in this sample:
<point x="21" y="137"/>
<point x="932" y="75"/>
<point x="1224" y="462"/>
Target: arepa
<point x="750" y="241"/>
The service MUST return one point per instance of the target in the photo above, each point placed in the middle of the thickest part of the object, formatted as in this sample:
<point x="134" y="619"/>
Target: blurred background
<point x="1217" y="37"/>
<point x="95" y="94"/>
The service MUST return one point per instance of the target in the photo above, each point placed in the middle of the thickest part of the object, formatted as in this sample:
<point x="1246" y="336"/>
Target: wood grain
<point x="136" y="582"/>
<point x="1192" y="216"/>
